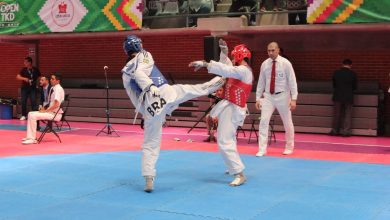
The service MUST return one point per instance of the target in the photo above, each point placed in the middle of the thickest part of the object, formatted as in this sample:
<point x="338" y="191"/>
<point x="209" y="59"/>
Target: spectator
<point x="145" y="11"/>
<point x="245" y="6"/>
<point x="344" y="84"/>
<point x="183" y="6"/>
<point x="215" y="3"/>
<point x="276" y="5"/>
<point x="297" y="18"/>
<point x="29" y="76"/>
<point x="161" y="7"/>
<point x="56" y="97"/>
<point x="198" y="7"/>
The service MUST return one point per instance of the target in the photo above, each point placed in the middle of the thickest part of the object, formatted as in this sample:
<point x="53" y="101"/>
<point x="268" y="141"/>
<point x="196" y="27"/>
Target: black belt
<point x="277" y="93"/>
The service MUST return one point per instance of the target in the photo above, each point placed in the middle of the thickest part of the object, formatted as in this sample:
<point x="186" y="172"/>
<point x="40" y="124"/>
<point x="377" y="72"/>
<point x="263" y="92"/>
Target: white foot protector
<point x="149" y="184"/>
<point x="239" y="179"/>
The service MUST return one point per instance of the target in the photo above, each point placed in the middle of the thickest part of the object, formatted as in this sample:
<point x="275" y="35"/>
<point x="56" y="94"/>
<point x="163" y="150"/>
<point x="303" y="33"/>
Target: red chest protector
<point x="237" y="92"/>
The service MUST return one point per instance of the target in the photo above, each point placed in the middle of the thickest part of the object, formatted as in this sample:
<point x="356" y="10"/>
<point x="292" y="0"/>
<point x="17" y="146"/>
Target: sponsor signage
<point x="45" y="16"/>
<point x="348" y="11"/>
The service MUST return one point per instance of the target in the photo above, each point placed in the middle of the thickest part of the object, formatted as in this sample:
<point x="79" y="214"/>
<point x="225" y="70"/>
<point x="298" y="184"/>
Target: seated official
<point x="56" y="97"/>
<point x="44" y="89"/>
<point x="212" y="123"/>
<point x="43" y="94"/>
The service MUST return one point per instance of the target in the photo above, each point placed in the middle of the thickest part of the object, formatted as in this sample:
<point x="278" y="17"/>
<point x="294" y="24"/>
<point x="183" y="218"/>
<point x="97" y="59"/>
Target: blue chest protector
<point x="156" y="76"/>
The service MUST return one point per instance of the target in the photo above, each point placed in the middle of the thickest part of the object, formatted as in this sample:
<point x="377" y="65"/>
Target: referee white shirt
<point x="285" y="80"/>
<point x="284" y="98"/>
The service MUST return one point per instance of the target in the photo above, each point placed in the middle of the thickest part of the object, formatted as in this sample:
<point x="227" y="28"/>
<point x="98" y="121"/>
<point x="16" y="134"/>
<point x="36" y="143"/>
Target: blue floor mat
<point x="23" y="127"/>
<point x="190" y="185"/>
<point x="12" y="127"/>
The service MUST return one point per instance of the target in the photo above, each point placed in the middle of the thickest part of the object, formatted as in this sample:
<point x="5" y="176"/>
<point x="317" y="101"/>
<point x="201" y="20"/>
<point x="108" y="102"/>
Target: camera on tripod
<point x="216" y="98"/>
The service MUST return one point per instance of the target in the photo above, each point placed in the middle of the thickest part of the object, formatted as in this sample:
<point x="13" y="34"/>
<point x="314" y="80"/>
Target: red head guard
<point x="240" y="52"/>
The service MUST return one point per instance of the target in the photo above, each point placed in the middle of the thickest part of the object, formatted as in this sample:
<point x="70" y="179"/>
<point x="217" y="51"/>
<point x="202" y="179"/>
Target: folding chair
<point x="49" y="126"/>
<point x="65" y="110"/>
<point x="271" y="134"/>
<point x="239" y="129"/>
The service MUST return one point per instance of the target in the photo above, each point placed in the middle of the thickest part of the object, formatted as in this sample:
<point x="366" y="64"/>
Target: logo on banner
<point x="62" y="15"/>
<point x="8" y="13"/>
<point x="62" y="8"/>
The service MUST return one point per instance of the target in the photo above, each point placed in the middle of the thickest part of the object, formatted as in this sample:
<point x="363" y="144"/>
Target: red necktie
<point x="273" y="73"/>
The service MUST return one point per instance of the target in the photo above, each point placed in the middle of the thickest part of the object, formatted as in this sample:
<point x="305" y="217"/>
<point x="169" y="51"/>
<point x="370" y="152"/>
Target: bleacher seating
<point x="313" y="114"/>
<point x="171" y="17"/>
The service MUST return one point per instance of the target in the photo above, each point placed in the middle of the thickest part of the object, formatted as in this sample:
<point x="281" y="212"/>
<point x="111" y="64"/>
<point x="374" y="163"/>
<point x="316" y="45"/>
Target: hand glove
<point x="198" y="64"/>
<point x="223" y="46"/>
<point x="154" y="91"/>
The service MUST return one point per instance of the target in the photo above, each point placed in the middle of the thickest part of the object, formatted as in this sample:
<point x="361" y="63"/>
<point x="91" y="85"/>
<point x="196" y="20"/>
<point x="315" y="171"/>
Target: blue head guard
<point x="132" y="44"/>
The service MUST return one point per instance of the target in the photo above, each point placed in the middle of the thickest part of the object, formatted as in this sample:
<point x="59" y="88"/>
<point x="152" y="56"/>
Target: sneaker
<point x="24" y="139"/>
<point x="148" y="184"/>
<point x="30" y="141"/>
<point x="262" y="152"/>
<point x="208" y="139"/>
<point x="239" y="179"/>
<point x="345" y="134"/>
<point x="23" y="118"/>
<point x="333" y="132"/>
<point x="288" y="151"/>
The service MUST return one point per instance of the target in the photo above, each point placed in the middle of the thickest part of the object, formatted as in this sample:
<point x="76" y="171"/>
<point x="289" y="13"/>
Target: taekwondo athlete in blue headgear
<point x="154" y="98"/>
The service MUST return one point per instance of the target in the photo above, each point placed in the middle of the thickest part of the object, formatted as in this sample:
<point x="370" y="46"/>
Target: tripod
<point x="206" y="112"/>
<point x="110" y="129"/>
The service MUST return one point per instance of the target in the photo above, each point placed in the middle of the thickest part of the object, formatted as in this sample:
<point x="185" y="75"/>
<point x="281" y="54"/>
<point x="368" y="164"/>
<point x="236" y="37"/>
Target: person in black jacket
<point x="43" y="94"/>
<point x="28" y="76"/>
<point x="344" y="85"/>
<point x="44" y="89"/>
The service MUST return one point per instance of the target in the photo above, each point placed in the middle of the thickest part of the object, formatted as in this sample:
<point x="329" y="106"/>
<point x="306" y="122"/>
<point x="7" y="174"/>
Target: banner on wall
<point x="45" y="16"/>
<point x="348" y="11"/>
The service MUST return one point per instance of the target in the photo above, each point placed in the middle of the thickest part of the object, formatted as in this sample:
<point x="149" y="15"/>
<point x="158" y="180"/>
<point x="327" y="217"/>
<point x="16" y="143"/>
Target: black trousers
<point x="31" y="93"/>
<point x="342" y="117"/>
<point x="251" y="5"/>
